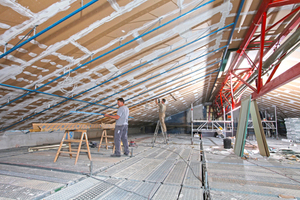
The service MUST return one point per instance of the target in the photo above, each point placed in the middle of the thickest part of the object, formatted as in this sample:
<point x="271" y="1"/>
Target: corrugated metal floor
<point x="231" y="177"/>
<point x="159" y="172"/>
<point x="172" y="171"/>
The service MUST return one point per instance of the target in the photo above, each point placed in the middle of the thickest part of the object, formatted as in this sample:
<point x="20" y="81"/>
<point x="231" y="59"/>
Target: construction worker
<point x="121" y="128"/>
<point x="162" y="114"/>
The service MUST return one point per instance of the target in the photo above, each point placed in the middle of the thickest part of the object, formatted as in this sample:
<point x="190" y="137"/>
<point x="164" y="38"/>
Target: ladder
<point x="156" y="132"/>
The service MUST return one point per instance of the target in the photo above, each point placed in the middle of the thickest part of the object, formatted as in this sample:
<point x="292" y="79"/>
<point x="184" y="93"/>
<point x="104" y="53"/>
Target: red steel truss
<point x="236" y="77"/>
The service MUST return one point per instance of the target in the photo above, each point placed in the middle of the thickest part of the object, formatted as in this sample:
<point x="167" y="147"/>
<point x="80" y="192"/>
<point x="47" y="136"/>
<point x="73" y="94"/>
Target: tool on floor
<point x="156" y="131"/>
<point x="132" y="144"/>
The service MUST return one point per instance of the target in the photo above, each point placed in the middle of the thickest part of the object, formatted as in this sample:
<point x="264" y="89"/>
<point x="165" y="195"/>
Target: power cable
<point x="117" y="186"/>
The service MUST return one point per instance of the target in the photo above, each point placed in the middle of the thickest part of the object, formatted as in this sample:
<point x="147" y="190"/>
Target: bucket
<point x="227" y="143"/>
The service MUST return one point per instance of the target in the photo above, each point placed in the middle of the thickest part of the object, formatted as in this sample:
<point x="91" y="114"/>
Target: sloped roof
<point x="136" y="49"/>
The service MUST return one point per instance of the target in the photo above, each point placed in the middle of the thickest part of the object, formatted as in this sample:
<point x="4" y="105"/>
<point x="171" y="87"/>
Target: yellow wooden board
<point x="42" y="127"/>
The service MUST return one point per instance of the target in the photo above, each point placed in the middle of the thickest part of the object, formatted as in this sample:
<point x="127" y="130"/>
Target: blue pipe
<point x="20" y="88"/>
<point x="116" y="76"/>
<point x="48" y="28"/>
<point x="175" y="88"/>
<point x="90" y="113"/>
<point x="84" y="64"/>
<point x="160" y="74"/>
<point x="161" y="85"/>
<point x="154" y="97"/>
<point x="228" y="42"/>
<point x="143" y="65"/>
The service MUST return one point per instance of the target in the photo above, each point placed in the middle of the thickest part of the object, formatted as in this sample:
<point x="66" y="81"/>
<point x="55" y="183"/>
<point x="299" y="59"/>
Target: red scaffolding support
<point x="229" y="94"/>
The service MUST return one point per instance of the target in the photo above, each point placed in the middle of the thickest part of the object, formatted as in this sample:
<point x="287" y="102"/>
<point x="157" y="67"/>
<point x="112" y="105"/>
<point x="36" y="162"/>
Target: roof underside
<point x="121" y="48"/>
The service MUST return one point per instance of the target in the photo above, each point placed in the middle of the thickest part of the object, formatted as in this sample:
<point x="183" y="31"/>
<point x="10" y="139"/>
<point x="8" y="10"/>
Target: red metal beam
<point x="284" y="78"/>
<point x="277" y="3"/>
<point x="257" y="19"/>
<point x="274" y="70"/>
<point x="293" y="24"/>
<point x="243" y="81"/>
<point x="279" y="21"/>
<point x="262" y="43"/>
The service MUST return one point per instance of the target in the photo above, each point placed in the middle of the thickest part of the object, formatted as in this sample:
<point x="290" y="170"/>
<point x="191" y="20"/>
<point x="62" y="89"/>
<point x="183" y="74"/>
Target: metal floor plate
<point x="159" y="174"/>
<point x="177" y="174"/>
<point x="74" y="190"/>
<point x="144" y="172"/>
<point x="185" y="154"/>
<point x="120" y="166"/>
<point x="133" y="168"/>
<point x="144" y="190"/>
<point x="123" y="191"/>
<point x="191" y="194"/>
<point x="192" y="171"/>
<point x="97" y="190"/>
<point x="167" y="192"/>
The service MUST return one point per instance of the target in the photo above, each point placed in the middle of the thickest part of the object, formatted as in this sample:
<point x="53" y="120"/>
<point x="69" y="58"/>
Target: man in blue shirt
<point x="121" y="128"/>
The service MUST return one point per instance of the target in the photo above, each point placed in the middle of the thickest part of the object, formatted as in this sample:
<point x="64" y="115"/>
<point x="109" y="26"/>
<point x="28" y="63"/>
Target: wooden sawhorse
<point x="69" y="140"/>
<point x="104" y="136"/>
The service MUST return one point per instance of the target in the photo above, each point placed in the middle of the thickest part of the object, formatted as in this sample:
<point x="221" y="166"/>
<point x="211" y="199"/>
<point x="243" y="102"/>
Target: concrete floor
<point x="172" y="171"/>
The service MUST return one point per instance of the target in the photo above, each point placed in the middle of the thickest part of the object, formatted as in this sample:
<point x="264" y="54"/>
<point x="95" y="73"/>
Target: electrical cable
<point x="117" y="186"/>
<point x="273" y="171"/>
<point x="154" y="182"/>
<point x="183" y="160"/>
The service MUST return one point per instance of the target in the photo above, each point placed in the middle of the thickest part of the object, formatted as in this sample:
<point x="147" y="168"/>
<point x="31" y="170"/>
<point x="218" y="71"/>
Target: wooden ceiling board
<point x="10" y="17"/>
<point x="55" y="51"/>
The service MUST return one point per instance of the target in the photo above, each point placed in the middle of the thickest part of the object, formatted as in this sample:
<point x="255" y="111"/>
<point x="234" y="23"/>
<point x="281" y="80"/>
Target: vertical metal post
<point x="276" y="126"/>
<point x="192" y="118"/>
<point x="231" y="118"/>
<point x="224" y="118"/>
<point x="262" y="44"/>
<point x="91" y="167"/>
<point x="205" y="185"/>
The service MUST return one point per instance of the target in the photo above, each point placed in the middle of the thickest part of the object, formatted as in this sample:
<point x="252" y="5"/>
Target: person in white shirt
<point x="121" y="128"/>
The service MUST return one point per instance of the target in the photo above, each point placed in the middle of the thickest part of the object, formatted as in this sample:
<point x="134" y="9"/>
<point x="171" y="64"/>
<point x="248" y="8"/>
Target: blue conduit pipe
<point x="228" y="42"/>
<point x="90" y="113"/>
<point x="168" y="91"/>
<point x="160" y="75"/>
<point x="147" y="63"/>
<point x="163" y="85"/>
<point x="68" y="98"/>
<point x="48" y="28"/>
<point x="114" y="77"/>
<point x="102" y="55"/>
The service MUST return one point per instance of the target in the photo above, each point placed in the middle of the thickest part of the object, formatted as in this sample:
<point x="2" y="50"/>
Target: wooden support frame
<point x="104" y="136"/>
<point x="67" y="138"/>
